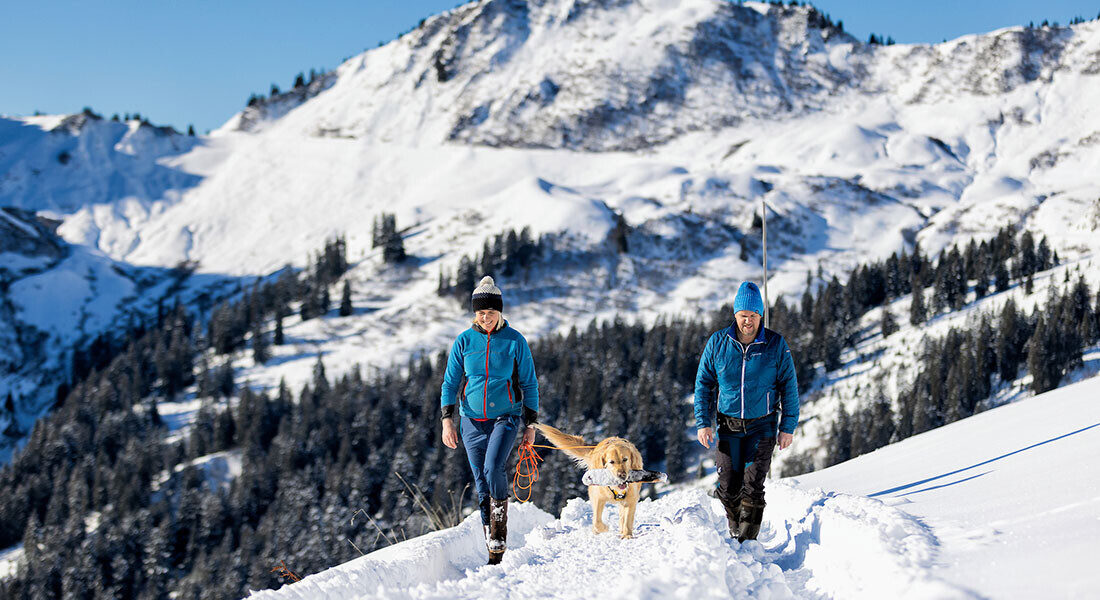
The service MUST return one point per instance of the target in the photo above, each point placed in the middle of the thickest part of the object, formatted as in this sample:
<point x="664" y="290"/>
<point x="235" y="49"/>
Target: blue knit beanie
<point x="748" y="298"/>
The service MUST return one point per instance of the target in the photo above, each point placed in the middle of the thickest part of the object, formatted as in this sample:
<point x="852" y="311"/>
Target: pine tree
<point x="1001" y="276"/>
<point x="807" y="302"/>
<point x="1042" y="255"/>
<point x="889" y="323"/>
<point x="386" y="236"/>
<point x="971" y="261"/>
<point x="882" y="422"/>
<point x="320" y="381"/>
<point x="840" y="437"/>
<point x="345" y="300"/>
<point x="1008" y="344"/>
<point x="378" y="235"/>
<point x="1025" y="263"/>
<point x="1080" y="312"/>
<point x="260" y="350"/>
<point x="1096" y="319"/>
<point x="956" y="281"/>
<point x="981" y="272"/>
<point x="223" y="380"/>
<point x="917" y="313"/>
<point x="1042" y="359"/>
<point x="279" y="338"/>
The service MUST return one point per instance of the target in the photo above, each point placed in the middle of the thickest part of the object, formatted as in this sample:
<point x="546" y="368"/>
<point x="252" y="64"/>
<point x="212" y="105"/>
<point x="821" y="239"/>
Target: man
<point x="753" y="370"/>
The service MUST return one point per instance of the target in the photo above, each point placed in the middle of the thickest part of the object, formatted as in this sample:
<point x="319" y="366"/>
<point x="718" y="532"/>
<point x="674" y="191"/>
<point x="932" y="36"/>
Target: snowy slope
<point x="1012" y="495"/>
<point x="997" y="505"/>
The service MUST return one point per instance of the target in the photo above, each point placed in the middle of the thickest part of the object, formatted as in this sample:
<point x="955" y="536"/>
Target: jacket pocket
<point x="500" y="362"/>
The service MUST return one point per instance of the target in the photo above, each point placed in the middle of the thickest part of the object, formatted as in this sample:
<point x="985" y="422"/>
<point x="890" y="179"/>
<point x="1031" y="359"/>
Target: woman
<point x="490" y="377"/>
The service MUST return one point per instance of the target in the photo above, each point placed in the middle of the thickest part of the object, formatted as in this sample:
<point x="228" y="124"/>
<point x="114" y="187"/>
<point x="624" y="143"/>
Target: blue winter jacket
<point x="752" y="381"/>
<point x="484" y="371"/>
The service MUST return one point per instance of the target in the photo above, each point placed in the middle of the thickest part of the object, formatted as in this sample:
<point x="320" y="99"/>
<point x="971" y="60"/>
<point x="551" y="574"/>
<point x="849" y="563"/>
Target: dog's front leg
<point x="597" y="513"/>
<point x="626" y="520"/>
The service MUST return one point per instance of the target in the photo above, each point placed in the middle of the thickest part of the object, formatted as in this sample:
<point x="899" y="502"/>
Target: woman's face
<point x="487" y="319"/>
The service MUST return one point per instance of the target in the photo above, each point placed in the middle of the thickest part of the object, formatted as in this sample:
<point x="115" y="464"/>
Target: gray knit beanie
<point x="487" y="296"/>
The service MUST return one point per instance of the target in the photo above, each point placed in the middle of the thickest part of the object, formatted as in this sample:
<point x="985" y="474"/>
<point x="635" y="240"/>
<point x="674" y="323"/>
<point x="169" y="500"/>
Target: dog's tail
<point x="573" y="445"/>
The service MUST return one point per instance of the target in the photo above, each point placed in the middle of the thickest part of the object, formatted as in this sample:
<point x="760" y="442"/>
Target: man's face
<point x="748" y="322"/>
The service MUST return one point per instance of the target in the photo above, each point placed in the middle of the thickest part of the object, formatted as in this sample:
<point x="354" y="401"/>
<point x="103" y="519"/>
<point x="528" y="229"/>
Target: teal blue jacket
<point x="490" y="375"/>
<point x="752" y="381"/>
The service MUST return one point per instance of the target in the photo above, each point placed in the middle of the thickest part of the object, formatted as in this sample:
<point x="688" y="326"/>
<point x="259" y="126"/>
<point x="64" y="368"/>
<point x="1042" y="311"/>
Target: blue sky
<point x="181" y="62"/>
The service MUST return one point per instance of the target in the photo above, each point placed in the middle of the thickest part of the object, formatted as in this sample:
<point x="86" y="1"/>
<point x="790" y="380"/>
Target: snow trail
<point x="814" y="545"/>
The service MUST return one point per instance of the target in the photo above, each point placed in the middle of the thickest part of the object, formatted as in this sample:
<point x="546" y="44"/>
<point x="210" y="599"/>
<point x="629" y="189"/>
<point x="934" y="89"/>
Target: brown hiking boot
<point x="498" y="529"/>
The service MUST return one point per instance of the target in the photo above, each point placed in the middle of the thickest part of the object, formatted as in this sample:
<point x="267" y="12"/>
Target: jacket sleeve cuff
<point x="449" y="411"/>
<point x="530" y="416"/>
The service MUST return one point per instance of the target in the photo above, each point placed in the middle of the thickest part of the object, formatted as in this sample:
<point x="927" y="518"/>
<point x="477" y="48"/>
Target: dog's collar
<point x="617" y="495"/>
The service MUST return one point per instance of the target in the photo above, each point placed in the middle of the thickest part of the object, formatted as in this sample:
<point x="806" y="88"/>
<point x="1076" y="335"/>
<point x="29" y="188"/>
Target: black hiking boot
<point x="752" y="513"/>
<point x="733" y="512"/>
<point x="498" y="530"/>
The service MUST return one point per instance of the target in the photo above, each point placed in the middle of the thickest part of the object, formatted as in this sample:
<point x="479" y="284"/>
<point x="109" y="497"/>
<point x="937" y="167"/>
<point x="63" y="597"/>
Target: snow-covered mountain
<point x="998" y="505"/>
<point x="676" y="119"/>
<point x="56" y="297"/>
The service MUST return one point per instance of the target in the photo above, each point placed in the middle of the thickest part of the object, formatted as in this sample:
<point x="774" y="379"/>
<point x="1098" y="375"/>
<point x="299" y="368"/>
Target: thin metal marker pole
<point x="764" y="219"/>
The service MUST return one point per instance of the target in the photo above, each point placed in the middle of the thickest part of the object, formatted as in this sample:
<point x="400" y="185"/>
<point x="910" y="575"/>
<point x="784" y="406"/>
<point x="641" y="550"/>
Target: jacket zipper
<point x="508" y="386"/>
<point x="485" y="388"/>
<point x="744" y="359"/>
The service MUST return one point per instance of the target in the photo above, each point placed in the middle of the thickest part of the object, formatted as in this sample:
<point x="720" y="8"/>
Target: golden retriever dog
<point x="616" y="455"/>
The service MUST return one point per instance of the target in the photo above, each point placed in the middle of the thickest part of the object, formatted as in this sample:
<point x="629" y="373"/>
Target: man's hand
<point x="528" y="436"/>
<point x="706" y="436"/>
<point x="785" y="440"/>
<point x="450" y="434"/>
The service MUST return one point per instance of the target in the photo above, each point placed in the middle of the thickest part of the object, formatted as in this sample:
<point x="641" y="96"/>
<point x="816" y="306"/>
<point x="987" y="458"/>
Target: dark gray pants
<point x="744" y="458"/>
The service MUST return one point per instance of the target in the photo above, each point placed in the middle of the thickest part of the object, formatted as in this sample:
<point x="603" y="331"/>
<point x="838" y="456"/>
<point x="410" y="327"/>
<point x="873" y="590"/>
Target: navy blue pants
<point x="744" y="458"/>
<point x="488" y="445"/>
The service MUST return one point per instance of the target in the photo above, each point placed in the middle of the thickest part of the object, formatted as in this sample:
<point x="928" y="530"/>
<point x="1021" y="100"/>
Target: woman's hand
<point x="528" y="436"/>
<point x="450" y="434"/>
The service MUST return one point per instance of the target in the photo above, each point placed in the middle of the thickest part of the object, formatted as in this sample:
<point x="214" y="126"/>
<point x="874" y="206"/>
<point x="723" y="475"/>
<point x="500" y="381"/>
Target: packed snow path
<point x="813" y="544"/>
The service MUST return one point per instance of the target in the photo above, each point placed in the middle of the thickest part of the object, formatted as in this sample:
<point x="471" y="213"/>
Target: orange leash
<point x="527" y="468"/>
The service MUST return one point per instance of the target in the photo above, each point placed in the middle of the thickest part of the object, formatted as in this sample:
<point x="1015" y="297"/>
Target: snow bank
<point x="853" y="547"/>
<point x="436" y="557"/>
